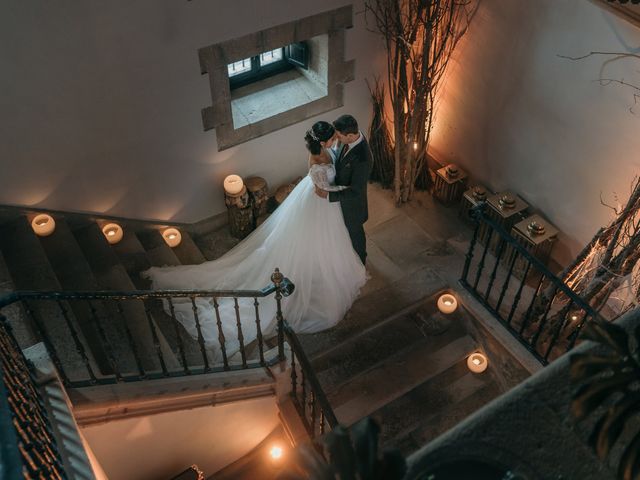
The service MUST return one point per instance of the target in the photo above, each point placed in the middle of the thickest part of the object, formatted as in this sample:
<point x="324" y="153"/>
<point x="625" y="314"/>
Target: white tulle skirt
<point x="307" y="240"/>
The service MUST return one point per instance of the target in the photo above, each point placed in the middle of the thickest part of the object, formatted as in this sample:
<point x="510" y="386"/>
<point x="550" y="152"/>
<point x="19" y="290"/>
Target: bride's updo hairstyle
<point x="320" y="132"/>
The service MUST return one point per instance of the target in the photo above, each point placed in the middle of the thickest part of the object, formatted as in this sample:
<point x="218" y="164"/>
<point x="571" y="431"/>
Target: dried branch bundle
<point x="607" y="270"/>
<point x="380" y="139"/>
<point x="420" y="36"/>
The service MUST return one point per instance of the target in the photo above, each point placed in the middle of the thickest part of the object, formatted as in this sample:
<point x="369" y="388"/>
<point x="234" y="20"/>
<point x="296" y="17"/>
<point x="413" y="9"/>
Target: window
<point x="312" y="49"/>
<point x="267" y="64"/>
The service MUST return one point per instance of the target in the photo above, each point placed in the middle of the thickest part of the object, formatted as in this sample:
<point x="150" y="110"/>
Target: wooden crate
<point x="537" y="236"/>
<point x="449" y="184"/>
<point x="472" y="198"/>
<point x="506" y="209"/>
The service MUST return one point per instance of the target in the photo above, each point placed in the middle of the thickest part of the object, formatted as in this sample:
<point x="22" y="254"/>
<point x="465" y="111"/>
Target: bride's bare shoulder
<point x="319" y="159"/>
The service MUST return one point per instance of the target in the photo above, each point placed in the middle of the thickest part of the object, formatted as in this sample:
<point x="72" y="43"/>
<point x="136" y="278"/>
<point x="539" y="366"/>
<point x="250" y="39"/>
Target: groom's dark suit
<point x="352" y="170"/>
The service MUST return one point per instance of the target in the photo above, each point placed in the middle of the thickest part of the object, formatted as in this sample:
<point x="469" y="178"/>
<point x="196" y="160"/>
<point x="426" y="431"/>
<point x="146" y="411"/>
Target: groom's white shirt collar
<point x="356" y="142"/>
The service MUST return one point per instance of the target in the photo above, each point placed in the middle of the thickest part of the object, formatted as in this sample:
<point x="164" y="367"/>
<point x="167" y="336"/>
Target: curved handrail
<point x="286" y="289"/>
<point x="478" y="213"/>
<point x="310" y="376"/>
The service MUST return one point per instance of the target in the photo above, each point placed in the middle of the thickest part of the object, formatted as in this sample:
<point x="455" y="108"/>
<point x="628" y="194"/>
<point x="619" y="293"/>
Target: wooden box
<point x="449" y="184"/>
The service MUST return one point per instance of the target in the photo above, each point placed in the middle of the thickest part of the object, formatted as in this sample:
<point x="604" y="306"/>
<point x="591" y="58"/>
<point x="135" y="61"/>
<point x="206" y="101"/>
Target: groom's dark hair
<point x="346" y="124"/>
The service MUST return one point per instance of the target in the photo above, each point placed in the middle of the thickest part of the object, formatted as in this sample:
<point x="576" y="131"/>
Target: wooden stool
<point x="241" y="219"/>
<point x="259" y="194"/>
<point x="283" y="191"/>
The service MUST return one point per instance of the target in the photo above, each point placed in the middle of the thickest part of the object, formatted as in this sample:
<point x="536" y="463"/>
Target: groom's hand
<point x="321" y="193"/>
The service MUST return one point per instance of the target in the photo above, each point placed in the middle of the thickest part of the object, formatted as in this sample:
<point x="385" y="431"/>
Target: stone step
<point x="14" y="313"/>
<point x="215" y="243"/>
<point x="432" y="426"/>
<point x="443" y="394"/>
<point x="188" y="252"/>
<point x="421" y="325"/>
<point x="159" y="254"/>
<point x="364" y="394"/>
<point x="30" y="269"/>
<point x="74" y="274"/>
<point x="112" y="275"/>
<point x="373" y="309"/>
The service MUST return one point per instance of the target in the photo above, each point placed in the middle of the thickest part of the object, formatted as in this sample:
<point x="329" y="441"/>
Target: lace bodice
<point x="323" y="175"/>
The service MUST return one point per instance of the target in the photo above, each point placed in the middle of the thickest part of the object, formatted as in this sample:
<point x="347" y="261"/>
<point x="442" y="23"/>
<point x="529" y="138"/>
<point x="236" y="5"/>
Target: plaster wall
<point x="519" y="117"/>
<point x="163" y="445"/>
<point x="100" y="104"/>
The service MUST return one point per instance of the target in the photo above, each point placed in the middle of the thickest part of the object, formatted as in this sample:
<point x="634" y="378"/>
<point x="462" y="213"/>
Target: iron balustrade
<point x="122" y="350"/>
<point x="541" y="311"/>
<point x="29" y="447"/>
<point x="307" y="393"/>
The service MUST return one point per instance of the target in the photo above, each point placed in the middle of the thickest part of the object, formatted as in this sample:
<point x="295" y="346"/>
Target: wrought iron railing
<point x="542" y="312"/>
<point x="29" y="448"/>
<point x="105" y="337"/>
<point x="306" y="391"/>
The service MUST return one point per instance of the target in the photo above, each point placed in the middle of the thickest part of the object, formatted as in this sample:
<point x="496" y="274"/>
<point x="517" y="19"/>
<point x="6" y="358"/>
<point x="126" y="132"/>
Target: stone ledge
<point x="106" y="403"/>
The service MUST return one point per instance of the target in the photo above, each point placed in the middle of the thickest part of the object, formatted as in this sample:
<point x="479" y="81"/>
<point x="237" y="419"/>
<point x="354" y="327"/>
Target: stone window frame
<point x="215" y="58"/>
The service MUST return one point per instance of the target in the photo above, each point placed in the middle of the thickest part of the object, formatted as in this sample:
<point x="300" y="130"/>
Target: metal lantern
<point x="537" y="236"/>
<point x="505" y="209"/>
<point x="450" y="183"/>
<point x="472" y="198"/>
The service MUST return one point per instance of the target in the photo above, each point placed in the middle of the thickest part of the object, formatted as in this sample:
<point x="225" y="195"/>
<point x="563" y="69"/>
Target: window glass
<point x="271" y="56"/>
<point x="242" y="66"/>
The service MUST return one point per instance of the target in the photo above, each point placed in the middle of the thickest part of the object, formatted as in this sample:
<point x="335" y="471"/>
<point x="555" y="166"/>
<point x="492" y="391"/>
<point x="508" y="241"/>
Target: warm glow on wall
<point x="172" y="236"/>
<point x="112" y="232"/>
<point x="43" y="225"/>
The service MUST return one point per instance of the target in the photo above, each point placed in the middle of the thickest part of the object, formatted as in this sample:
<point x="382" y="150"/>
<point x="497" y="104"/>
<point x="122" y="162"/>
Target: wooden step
<point x="112" y="275"/>
<point x="30" y="269"/>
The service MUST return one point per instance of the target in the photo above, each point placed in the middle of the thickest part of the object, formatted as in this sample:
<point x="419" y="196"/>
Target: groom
<point x="353" y="166"/>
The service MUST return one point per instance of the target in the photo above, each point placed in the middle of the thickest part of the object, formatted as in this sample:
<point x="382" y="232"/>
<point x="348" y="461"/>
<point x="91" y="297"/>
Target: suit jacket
<point x="352" y="170"/>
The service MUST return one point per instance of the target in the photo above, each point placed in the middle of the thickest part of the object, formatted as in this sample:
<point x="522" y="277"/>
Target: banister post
<point x="277" y="279"/>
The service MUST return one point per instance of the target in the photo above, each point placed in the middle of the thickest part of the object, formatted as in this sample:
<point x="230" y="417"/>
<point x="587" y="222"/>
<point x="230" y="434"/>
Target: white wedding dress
<point x="307" y="240"/>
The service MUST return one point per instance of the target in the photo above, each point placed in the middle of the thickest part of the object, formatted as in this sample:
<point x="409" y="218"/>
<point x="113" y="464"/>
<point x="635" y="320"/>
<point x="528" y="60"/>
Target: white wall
<point x="100" y="104"/>
<point x="518" y="116"/>
<point x="162" y="445"/>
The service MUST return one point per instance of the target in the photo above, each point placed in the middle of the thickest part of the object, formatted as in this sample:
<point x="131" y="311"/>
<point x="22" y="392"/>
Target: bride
<point x="305" y="238"/>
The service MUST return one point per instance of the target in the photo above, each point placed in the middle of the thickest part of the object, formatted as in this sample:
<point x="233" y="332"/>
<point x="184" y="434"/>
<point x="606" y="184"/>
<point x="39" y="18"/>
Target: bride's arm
<point x="320" y="180"/>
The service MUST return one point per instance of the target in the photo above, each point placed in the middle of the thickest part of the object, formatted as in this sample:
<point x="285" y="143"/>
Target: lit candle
<point x="172" y="236"/>
<point x="43" y="225"/>
<point x="447" y="303"/>
<point x="477" y="362"/>
<point x="233" y="185"/>
<point x="415" y="145"/>
<point x="112" y="232"/>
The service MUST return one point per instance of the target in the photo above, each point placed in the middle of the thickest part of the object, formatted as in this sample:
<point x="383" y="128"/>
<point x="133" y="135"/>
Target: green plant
<point x="610" y="378"/>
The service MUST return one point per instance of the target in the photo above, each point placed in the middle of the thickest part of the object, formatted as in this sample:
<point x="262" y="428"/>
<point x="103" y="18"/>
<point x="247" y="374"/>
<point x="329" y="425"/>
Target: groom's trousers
<point x="359" y="241"/>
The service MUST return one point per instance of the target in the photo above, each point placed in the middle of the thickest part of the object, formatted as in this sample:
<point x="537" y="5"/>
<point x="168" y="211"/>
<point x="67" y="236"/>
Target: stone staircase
<point x="408" y="371"/>
<point x="128" y="335"/>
